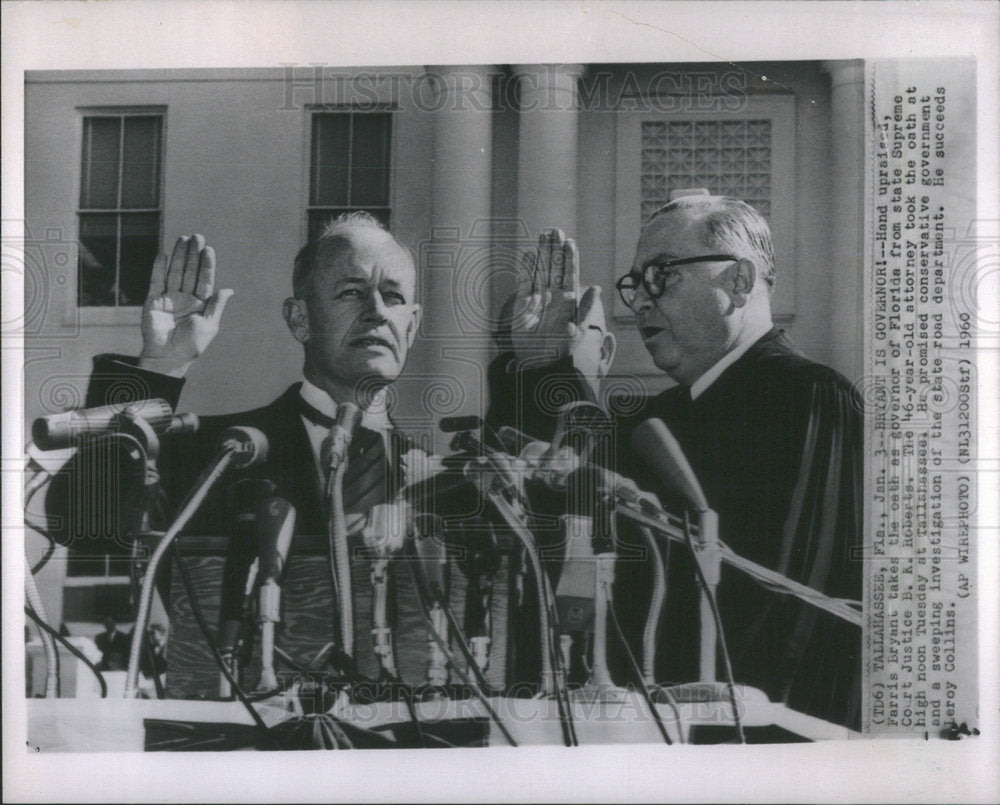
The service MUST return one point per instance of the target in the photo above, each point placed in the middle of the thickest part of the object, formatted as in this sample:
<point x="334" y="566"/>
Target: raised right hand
<point x="548" y="315"/>
<point x="182" y="312"/>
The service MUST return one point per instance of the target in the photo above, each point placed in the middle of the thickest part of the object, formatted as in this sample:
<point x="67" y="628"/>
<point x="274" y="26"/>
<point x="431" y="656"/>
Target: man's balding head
<point x="729" y="226"/>
<point x="338" y="237"/>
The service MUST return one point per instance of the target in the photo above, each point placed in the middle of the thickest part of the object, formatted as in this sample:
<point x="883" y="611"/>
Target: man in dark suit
<point x="113" y="645"/>
<point x="774" y="438"/>
<point x="355" y="313"/>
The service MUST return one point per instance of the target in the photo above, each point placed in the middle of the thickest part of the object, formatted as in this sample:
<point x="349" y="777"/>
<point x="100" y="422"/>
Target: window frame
<point x="780" y="110"/>
<point x="120" y="314"/>
<point x="353" y="108"/>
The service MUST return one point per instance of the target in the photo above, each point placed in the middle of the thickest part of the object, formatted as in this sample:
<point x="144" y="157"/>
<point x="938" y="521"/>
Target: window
<point x="349" y="166"/>
<point x="747" y="153"/>
<point x="120" y="207"/>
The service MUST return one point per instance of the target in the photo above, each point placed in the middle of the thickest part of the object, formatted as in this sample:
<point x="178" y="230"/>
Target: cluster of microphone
<point x="266" y="520"/>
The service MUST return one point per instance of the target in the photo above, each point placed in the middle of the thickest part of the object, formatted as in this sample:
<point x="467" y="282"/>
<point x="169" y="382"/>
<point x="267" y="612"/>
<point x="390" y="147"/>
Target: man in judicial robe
<point x="773" y="437"/>
<point x="354" y="311"/>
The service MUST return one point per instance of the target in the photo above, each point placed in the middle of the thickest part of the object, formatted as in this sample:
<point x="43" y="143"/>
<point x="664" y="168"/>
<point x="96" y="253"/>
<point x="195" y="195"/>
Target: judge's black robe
<point x="776" y="443"/>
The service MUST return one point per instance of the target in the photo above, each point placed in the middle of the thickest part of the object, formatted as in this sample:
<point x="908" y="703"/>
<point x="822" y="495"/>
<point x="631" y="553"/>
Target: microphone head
<point x="348" y="416"/>
<point x="58" y="431"/>
<point x="248" y="446"/>
<point x="656" y="445"/>
<point x="275" y="527"/>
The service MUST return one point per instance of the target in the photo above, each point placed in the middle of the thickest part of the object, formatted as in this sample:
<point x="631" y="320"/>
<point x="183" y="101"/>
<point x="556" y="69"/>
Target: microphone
<point x="333" y="451"/>
<point x="58" y="431"/>
<point x="244" y="447"/>
<point x="239" y="574"/>
<point x="275" y="526"/>
<point x="656" y="445"/>
<point x="429" y="560"/>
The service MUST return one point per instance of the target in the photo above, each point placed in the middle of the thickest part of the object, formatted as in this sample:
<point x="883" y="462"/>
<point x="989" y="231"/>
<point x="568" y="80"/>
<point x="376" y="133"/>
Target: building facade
<point x="466" y="164"/>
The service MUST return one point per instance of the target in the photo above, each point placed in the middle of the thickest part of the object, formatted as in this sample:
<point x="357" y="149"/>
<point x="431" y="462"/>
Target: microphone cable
<point x="226" y="672"/>
<point x="636" y="670"/>
<point x="640" y="677"/>
<point x="50" y="548"/>
<point x="730" y="683"/>
<point x="28" y="610"/>
<point x="450" y="657"/>
<point x="37" y="482"/>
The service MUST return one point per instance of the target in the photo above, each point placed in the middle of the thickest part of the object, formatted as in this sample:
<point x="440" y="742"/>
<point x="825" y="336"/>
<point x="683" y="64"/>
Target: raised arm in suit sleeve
<point x="529" y="399"/>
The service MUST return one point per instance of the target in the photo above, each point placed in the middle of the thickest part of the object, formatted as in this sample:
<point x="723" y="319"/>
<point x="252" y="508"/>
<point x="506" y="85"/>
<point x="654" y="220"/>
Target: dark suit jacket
<point x="117" y="642"/>
<point x="308" y="605"/>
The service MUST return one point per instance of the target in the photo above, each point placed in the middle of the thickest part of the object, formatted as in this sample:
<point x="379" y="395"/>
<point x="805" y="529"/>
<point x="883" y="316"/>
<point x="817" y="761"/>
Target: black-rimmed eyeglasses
<point x="655" y="277"/>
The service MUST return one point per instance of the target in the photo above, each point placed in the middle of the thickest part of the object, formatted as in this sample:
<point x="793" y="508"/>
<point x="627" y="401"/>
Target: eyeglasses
<point x="655" y="277"/>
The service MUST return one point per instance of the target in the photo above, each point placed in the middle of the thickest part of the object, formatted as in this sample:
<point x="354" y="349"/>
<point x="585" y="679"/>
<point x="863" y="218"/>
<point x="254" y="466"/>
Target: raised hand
<point x="549" y="318"/>
<point x="182" y="310"/>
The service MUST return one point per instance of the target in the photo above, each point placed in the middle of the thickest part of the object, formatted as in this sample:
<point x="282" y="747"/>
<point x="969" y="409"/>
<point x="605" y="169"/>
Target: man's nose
<point x="641" y="302"/>
<point x="375" y="307"/>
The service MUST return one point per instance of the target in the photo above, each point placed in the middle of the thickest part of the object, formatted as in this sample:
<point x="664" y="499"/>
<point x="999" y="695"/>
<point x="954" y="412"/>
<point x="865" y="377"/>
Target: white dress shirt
<point x="375" y="417"/>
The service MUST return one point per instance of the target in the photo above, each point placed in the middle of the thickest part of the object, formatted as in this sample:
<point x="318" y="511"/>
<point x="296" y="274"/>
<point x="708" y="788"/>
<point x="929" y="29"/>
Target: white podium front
<point x="115" y="725"/>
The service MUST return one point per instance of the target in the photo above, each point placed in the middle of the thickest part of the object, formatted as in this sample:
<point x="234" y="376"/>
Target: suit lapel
<point x="292" y="464"/>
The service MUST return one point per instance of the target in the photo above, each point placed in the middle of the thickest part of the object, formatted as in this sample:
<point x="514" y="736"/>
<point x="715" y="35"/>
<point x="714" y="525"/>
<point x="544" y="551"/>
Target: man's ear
<point x="609" y="346"/>
<point x="411" y="329"/>
<point x="743" y="276"/>
<point x="296" y="314"/>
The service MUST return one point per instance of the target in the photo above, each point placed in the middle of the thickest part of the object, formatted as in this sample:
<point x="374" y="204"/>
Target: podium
<point x="307" y="619"/>
<point x="703" y="716"/>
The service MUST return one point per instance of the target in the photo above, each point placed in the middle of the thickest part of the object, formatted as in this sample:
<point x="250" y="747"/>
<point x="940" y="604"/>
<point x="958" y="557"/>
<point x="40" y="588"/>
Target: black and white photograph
<point x="604" y="399"/>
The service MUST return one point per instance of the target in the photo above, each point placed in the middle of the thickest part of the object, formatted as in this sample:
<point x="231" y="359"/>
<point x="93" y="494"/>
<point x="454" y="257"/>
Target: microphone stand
<point x="339" y="441"/>
<point x="673" y="529"/>
<point x="188" y="509"/>
<point x="708" y="556"/>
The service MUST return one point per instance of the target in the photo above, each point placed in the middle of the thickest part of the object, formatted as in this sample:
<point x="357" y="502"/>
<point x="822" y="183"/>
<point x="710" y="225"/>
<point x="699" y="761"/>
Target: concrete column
<point x="847" y="187"/>
<point x="547" y="151"/>
<point x="455" y="260"/>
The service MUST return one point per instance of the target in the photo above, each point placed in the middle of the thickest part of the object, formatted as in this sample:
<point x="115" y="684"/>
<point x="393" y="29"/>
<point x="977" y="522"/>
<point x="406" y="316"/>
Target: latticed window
<point x="747" y="153"/>
<point x="120" y="207"/>
<point x="727" y="157"/>
<point x="349" y="165"/>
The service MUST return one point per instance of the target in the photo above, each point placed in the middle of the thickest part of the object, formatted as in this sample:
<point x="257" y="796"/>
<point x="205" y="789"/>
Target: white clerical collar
<point x="374" y="417"/>
<point x="743" y="343"/>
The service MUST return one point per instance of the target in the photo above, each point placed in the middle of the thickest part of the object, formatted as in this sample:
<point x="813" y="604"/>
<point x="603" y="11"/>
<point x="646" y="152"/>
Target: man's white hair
<point x="733" y="227"/>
